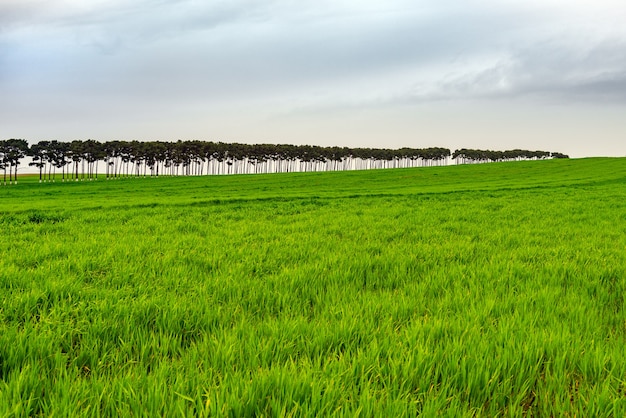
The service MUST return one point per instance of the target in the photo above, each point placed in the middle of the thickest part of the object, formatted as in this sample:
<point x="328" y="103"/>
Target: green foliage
<point x="484" y="290"/>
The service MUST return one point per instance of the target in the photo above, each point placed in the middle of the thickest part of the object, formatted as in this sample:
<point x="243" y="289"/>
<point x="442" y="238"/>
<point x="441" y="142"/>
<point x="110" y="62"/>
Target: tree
<point x="41" y="156"/>
<point x="14" y="151"/>
<point x="91" y="153"/>
<point x="3" y="160"/>
<point x="60" y="155"/>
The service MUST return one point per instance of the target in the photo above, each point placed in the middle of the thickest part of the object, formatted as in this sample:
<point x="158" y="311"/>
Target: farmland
<point x="473" y="290"/>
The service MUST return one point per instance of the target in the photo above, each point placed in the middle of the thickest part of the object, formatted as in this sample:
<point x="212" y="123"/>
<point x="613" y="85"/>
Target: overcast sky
<point x="496" y="74"/>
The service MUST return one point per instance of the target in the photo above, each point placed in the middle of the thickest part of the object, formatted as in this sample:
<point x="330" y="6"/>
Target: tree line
<point x="79" y="160"/>
<point x="465" y="156"/>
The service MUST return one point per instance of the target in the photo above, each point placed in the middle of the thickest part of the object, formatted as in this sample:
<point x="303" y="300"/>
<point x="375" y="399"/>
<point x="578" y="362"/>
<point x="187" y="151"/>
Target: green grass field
<point x="476" y="290"/>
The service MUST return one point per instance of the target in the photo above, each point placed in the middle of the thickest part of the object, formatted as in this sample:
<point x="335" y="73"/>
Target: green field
<point x="475" y="290"/>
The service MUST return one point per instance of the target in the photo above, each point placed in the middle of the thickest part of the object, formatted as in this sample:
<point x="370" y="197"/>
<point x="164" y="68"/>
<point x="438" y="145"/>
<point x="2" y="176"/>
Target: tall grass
<point x="458" y="291"/>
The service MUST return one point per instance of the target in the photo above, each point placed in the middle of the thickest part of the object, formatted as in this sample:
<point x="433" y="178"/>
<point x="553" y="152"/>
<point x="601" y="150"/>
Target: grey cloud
<point x="185" y="50"/>
<point x="16" y="12"/>
<point x="610" y="86"/>
<point x="255" y="55"/>
<point x="549" y="71"/>
<point x="148" y="21"/>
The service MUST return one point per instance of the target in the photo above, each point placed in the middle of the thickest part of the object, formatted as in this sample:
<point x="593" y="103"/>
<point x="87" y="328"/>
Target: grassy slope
<point x="185" y="190"/>
<point x="491" y="289"/>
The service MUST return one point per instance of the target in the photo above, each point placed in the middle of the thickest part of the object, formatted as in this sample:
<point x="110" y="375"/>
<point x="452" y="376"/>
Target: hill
<point x="474" y="290"/>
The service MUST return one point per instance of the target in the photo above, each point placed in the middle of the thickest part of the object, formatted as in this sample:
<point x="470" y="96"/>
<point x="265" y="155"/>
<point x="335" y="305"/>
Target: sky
<point x="490" y="74"/>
